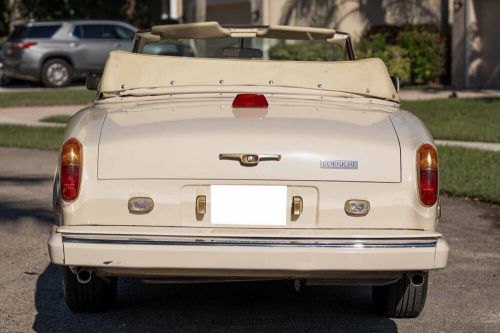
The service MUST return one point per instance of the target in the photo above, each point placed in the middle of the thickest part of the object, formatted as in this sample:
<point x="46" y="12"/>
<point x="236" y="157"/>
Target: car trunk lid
<point x="314" y="141"/>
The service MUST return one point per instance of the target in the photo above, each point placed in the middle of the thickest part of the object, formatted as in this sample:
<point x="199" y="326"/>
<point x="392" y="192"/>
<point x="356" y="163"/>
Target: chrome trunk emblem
<point x="339" y="164"/>
<point x="250" y="159"/>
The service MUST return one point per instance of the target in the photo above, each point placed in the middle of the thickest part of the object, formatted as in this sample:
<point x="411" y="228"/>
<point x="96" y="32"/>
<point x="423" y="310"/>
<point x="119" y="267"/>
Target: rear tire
<point x="97" y="295"/>
<point x="56" y="73"/>
<point x="404" y="298"/>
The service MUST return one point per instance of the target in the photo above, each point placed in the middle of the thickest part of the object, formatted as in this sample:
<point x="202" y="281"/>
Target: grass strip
<point x="467" y="119"/>
<point x="31" y="137"/>
<point x="47" y="97"/>
<point x="470" y="172"/>
<point x="60" y="119"/>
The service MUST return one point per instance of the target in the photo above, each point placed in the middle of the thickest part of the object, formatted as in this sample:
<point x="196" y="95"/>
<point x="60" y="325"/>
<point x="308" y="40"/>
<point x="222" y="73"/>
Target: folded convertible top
<point x="126" y="71"/>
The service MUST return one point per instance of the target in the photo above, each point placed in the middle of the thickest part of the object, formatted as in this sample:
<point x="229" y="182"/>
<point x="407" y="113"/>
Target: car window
<point x="121" y="32"/>
<point x="255" y="48"/>
<point x="103" y="31"/>
<point x="43" y="31"/>
<point x="91" y="31"/>
<point x="169" y="48"/>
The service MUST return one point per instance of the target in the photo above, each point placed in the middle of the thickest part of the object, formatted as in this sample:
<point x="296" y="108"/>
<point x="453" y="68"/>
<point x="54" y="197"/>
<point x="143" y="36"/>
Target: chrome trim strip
<point x="357" y="243"/>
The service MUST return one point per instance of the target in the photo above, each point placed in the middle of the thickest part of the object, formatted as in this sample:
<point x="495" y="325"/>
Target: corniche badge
<point x="339" y="164"/>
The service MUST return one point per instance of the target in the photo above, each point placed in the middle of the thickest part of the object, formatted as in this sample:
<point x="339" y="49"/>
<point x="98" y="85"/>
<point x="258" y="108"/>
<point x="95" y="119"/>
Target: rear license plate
<point x="248" y="205"/>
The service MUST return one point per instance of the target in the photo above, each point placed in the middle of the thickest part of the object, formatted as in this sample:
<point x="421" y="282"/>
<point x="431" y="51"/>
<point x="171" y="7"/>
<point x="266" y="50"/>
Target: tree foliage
<point x="142" y="13"/>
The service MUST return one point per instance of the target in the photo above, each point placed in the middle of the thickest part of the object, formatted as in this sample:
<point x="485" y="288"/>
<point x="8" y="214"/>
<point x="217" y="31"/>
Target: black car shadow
<point x="270" y="306"/>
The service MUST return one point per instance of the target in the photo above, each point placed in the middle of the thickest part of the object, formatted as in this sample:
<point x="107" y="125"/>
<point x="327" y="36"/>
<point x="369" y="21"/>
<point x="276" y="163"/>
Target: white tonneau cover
<point x="126" y="71"/>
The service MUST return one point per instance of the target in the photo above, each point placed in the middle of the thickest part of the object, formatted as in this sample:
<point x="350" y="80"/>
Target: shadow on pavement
<point x="11" y="211"/>
<point x="25" y="180"/>
<point x="229" y="307"/>
<point x="19" y="208"/>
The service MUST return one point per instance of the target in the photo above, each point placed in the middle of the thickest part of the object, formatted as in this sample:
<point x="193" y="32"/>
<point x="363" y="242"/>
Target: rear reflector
<point x="250" y="101"/>
<point x="428" y="177"/>
<point x="71" y="163"/>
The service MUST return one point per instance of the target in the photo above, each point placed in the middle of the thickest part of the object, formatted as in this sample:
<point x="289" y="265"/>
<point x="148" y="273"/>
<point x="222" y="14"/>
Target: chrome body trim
<point x="249" y="242"/>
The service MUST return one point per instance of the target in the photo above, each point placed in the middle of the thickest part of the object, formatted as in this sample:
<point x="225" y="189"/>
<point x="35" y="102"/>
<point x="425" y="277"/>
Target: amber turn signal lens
<point x="428" y="177"/>
<point x="71" y="163"/>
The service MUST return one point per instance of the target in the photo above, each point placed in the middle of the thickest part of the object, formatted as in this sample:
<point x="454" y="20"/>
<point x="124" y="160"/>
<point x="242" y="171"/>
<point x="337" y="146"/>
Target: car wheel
<point x="96" y="295"/>
<point x="404" y="298"/>
<point x="56" y="73"/>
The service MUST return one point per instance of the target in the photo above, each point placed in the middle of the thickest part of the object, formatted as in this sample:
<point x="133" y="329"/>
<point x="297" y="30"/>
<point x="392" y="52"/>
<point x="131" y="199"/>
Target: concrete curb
<point x="467" y="144"/>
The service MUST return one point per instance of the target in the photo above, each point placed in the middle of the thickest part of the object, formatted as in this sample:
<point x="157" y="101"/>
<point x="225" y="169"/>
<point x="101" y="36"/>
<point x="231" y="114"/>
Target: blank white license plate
<point x="248" y="205"/>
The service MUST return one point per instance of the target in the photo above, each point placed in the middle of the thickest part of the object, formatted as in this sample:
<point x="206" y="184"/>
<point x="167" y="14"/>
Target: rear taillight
<point x="427" y="164"/>
<point x="24" y="45"/>
<point x="250" y="101"/>
<point x="71" y="165"/>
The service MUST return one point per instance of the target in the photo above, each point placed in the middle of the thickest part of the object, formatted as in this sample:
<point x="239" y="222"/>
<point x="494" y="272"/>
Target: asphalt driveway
<point x="465" y="297"/>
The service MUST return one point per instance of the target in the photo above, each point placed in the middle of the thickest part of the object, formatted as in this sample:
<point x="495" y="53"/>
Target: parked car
<point x="54" y="53"/>
<point x="223" y="166"/>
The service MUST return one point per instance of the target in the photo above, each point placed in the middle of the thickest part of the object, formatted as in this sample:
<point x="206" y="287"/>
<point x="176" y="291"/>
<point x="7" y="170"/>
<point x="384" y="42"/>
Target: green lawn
<point x="31" y="137"/>
<point x="469" y="172"/>
<point x="60" y="119"/>
<point x="464" y="119"/>
<point x="47" y="97"/>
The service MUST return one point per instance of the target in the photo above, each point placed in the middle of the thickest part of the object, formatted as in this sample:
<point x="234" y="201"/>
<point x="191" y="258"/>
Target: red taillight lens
<point x="428" y="178"/>
<point x="250" y="101"/>
<point x="71" y="163"/>
<point x="24" y="45"/>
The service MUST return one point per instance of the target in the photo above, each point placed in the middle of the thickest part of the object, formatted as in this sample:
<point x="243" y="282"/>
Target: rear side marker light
<point x="357" y="207"/>
<point x="250" y="101"/>
<point x="71" y="165"/>
<point x="140" y="205"/>
<point x="428" y="177"/>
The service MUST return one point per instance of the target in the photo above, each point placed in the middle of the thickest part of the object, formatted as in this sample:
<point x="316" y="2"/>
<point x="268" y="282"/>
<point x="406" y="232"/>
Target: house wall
<point x="351" y="16"/>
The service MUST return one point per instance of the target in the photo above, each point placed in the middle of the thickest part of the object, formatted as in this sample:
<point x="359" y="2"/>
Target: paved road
<point x="465" y="297"/>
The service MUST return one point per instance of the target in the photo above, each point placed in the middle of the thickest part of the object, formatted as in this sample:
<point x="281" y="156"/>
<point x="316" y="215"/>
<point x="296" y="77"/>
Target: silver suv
<point x="55" y="53"/>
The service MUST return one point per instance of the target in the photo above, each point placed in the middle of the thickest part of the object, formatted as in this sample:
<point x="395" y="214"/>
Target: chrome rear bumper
<point x="189" y="255"/>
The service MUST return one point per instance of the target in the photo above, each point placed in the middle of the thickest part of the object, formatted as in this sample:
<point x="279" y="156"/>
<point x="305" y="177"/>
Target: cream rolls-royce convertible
<point x="209" y="155"/>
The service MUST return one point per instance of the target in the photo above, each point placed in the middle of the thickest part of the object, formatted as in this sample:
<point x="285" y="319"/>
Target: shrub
<point x="415" y="53"/>
<point x="427" y="55"/>
<point x="306" y="52"/>
<point x="395" y="57"/>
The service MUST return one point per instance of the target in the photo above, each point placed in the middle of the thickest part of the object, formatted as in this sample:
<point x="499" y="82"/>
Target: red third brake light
<point x="71" y="163"/>
<point x="250" y="101"/>
<point x="427" y="164"/>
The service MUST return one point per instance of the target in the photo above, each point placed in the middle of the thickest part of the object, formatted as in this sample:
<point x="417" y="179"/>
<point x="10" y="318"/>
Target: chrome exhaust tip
<point x="84" y="275"/>
<point x="417" y="279"/>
